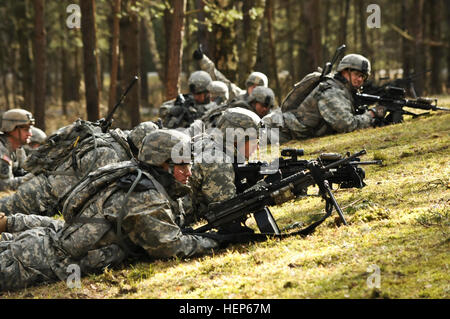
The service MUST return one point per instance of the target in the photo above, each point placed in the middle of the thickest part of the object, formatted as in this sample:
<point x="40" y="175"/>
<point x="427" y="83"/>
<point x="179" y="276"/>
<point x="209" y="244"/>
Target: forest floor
<point x="396" y="245"/>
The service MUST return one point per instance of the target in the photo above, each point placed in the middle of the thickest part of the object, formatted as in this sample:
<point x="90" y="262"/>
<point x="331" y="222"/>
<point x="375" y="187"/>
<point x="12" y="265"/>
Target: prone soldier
<point x="217" y="156"/>
<point x="58" y="169"/>
<point x="183" y="110"/>
<point x="330" y="107"/>
<point x="123" y="209"/>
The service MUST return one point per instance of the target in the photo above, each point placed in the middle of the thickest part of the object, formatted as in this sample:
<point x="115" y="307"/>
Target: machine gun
<point x="393" y="99"/>
<point x="229" y="214"/>
<point x="406" y="83"/>
<point x="247" y="175"/>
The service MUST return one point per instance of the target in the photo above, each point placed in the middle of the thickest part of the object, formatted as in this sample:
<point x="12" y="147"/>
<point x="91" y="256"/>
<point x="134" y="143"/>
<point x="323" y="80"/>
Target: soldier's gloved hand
<point x="378" y="111"/>
<point x="198" y="54"/>
<point x="176" y="110"/>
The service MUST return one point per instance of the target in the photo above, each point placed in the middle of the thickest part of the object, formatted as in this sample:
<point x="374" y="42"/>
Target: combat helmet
<point x="258" y="79"/>
<point x="263" y="95"/>
<point x="238" y="117"/>
<point x="355" y="62"/>
<point x="137" y="134"/>
<point x="198" y="82"/>
<point x="38" y="136"/>
<point x="165" y="146"/>
<point x="218" y="89"/>
<point x="15" y="117"/>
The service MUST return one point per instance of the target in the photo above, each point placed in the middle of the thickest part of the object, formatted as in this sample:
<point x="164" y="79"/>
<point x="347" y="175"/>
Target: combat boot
<point x="2" y="222"/>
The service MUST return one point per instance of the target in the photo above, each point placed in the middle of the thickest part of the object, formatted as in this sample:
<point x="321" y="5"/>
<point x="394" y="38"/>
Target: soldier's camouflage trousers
<point x="29" y="253"/>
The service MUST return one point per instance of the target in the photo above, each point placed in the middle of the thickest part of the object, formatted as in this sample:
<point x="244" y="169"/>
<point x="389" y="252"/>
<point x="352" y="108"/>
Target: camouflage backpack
<point x="70" y="143"/>
<point x="300" y="91"/>
<point x="303" y="88"/>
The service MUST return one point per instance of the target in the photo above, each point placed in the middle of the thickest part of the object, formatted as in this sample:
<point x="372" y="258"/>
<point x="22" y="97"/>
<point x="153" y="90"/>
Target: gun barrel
<point x="111" y="114"/>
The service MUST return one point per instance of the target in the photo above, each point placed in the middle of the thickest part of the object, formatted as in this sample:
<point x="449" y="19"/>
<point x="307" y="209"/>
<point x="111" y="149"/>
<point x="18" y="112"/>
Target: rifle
<point x="393" y="99"/>
<point x="229" y="214"/>
<point x="329" y="65"/>
<point x="407" y="83"/>
<point x="105" y="123"/>
<point x="181" y="110"/>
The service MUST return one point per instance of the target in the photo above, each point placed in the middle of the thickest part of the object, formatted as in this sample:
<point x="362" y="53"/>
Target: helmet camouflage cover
<point x="16" y="117"/>
<point x="355" y="62"/>
<point x="263" y="95"/>
<point x="218" y="89"/>
<point x="140" y="131"/>
<point x="38" y="136"/>
<point x="164" y="145"/>
<point x="239" y="117"/>
<point x="198" y="82"/>
<point x="258" y="79"/>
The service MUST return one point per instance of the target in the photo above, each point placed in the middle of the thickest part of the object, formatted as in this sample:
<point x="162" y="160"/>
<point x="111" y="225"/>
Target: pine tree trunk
<point x="90" y="62"/>
<point x="174" y="49"/>
<point x="436" y="51"/>
<point x="39" y="50"/>
<point x="131" y="56"/>
<point x="114" y="56"/>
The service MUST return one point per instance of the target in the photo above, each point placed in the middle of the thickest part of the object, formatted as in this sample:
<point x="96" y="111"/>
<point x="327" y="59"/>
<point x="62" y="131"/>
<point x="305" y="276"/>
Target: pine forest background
<point x="62" y="72"/>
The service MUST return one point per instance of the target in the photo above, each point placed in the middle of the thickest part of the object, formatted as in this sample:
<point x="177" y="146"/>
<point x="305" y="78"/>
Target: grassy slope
<point x="399" y="222"/>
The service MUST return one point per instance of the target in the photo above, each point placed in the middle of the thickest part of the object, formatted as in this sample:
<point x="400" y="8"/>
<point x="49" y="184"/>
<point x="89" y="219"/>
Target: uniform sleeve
<point x="337" y="111"/>
<point x="208" y="66"/>
<point x="20" y="222"/>
<point x="152" y="227"/>
<point x="7" y="179"/>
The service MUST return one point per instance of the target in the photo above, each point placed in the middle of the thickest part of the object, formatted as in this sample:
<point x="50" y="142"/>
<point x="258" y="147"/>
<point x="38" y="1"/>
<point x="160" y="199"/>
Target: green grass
<point x="400" y="222"/>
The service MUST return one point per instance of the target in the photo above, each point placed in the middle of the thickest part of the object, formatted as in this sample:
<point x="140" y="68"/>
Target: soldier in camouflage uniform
<point x="122" y="209"/>
<point x="16" y="132"/>
<point x="37" y="138"/>
<point x="329" y="108"/>
<point x="183" y="110"/>
<point x="236" y="93"/>
<point x="44" y="193"/>
<point x="216" y="158"/>
<point x="261" y="101"/>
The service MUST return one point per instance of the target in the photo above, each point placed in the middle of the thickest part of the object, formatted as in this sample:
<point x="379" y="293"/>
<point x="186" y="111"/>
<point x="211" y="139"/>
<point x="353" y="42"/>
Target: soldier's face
<point x="261" y="110"/>
<point x="355" y="77"/>
<point x="182" y="173"/>
<point x="22" y="134"/>
<point x="201" y="98"/>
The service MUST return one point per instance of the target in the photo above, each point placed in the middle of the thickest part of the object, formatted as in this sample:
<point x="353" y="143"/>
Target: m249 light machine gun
<point x="227" y="216"/>
<point x="393" y="99"/>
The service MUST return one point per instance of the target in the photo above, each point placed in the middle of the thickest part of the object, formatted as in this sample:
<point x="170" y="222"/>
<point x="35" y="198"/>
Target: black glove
<point x="379" y="111"/>
<point x="198" y="54"/>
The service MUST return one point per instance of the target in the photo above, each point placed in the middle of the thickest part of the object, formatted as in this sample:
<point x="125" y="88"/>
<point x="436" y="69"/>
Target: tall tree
<point x="114" y="54"/>
<point x="345" y="6"/>
<point x="90" y="61"/>
<point x="273" y="55"/>
<point x="418" y="26"/>
<point x="25" y="64"/>
<point x="311" y="52"/>
<point x="39" y="50"/>
<point x="253" y="14"/>
<point x="435" y="50"/>
<point x="174" y="51"/>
